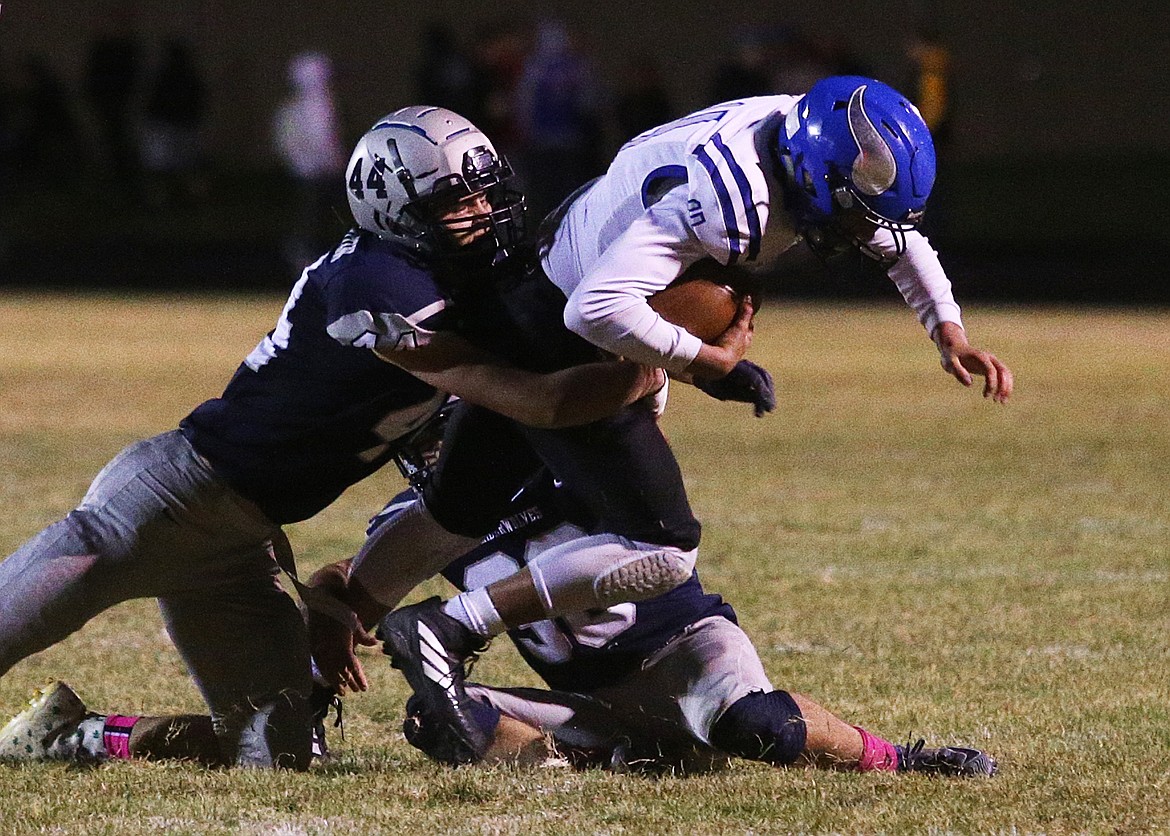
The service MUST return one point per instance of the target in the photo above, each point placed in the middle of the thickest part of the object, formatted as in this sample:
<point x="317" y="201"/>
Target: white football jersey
<point x="705" y="185"/>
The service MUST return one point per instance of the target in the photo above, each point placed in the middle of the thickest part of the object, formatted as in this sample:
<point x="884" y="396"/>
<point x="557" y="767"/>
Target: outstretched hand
<point x="961" y="360"/>
<point x="334" y="639"/>
<point x="334" y="648"/>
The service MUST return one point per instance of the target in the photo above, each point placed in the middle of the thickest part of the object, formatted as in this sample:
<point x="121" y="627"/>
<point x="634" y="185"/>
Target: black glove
<point x="748" y="383"/>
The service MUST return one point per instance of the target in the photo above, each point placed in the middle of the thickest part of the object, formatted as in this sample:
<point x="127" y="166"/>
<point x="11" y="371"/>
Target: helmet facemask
<point x="453" y="237"/>
<point x="429" y="179"/>
<point x="853" y="219"/>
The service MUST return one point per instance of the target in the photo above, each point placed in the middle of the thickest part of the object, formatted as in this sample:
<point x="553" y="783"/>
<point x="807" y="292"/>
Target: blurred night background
<point x="157" y="144"/>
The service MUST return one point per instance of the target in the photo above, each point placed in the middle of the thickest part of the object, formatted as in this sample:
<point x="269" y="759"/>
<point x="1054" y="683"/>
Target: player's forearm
<point x="571" y="397"/>
<point x="948" y="336"/>
<point x="626" y="326"/>
<point x="332" y="577"/>
<point x="711" y="363"/>
<point x="609" y="307"/>
<point x="920" y="278"/>
<point x="583" y="394"/>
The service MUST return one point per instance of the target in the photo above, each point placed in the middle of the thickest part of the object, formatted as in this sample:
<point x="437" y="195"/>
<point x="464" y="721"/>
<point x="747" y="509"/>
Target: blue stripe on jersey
<point x="665" y="175"/>
<point x="729" y="219"/>
<point x="745" y="192"/>
<point x="684" y="122"/>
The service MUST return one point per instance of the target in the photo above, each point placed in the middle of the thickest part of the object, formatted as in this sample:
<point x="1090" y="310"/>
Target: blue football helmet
<point x="853" y="145"/>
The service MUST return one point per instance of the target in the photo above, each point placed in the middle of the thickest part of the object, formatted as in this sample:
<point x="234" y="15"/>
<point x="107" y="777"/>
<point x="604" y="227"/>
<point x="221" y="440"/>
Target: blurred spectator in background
<point x="644" y="102"/>
<point x="111" y="83"/>
<point x="8" y="143"/>
<point x="746" y="71"/>
<point x="48" y="130"/>
<point x="308" y="138"/>
<point x="446" y="76"/>
<point x="171" y="122"/>
<point x="840" y="57"/>
<point x="799" y="62"/>
<point x="498" y="57"/>
<point x="558" y="116"/>
<point x="930" y="87"/>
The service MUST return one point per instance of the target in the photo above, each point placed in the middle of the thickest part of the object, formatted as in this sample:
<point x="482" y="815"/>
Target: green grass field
<point x="919" y="560"/>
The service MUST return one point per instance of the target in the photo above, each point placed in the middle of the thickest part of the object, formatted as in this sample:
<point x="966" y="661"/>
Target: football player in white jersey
<point x="850" y="163"/>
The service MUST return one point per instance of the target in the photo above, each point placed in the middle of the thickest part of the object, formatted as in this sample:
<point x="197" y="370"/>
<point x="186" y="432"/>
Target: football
<point x="703" y="300"/>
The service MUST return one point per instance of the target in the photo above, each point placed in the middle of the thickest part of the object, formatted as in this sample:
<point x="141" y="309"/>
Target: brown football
<point x="703" y="307"/>
<point x="706" y="297"/>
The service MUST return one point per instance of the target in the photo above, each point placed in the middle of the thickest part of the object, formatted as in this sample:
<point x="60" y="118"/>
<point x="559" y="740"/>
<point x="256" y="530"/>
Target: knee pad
<point x="762" y="727"/>
<point x="601" y="570"/>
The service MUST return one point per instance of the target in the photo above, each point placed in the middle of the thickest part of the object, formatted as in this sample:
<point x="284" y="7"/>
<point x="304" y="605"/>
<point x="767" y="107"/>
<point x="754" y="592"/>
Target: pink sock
<point x="877" y="754"/>
<point x="116" y="735"/>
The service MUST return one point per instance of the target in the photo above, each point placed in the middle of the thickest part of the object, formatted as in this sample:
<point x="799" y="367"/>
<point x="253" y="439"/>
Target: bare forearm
<point x="711" y="363"/>
<point x="716" y="360"/>
<point x="583" y="394"/>
<point x="948" y="335"/>
<point x="573" y="396"/>
<point x="335" y="579"/>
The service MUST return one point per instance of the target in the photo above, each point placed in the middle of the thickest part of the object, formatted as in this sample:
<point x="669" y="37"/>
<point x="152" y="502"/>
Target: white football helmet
<point x="417" y="157"/>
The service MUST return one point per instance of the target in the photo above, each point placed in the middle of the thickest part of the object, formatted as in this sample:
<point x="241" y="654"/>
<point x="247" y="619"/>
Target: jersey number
<point x="374" y="181"/>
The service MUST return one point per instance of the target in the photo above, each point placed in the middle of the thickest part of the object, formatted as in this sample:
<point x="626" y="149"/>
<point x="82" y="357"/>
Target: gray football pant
<point x="157" y="522"/>
<point x="669" y="705"/>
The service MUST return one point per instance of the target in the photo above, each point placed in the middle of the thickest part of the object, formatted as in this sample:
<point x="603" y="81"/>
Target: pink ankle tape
<point x="877" y="754"/>
<point x="116" y="735"/>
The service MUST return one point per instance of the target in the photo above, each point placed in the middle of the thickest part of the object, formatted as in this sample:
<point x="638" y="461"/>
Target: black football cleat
<point x="433" y="650"/>
<point x="950" y="761"/>
<point x="435" y="740"/>
<point x="321" y="699"/>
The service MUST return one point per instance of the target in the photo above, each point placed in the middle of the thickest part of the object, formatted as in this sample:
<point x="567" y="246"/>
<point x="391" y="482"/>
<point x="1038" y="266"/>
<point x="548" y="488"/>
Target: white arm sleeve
<point x="609" y="306"/>
<point x="920" y="278"/>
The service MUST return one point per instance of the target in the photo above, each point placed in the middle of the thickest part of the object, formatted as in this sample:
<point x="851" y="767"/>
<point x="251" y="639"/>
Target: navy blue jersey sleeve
<point x="365" y="310"/>
<point x="308" y="414"/>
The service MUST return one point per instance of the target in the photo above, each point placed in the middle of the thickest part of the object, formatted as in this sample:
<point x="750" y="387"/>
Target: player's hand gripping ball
<point x="704" y="300"/>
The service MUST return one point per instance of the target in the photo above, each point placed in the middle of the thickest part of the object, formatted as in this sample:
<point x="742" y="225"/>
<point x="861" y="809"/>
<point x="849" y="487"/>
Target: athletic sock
<point x="475" y="611"/>
<point x="87" y="740"/>
<point x="116" y="735"/>
<point x="877" y="755"/>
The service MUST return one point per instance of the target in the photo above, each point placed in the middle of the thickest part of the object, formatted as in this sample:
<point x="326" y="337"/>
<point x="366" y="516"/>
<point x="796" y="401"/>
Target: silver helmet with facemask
<point x="414" y="165"/>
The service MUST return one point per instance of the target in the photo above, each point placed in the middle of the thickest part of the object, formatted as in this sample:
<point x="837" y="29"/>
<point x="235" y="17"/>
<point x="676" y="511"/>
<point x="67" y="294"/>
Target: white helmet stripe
<point x="874" y="169"/>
